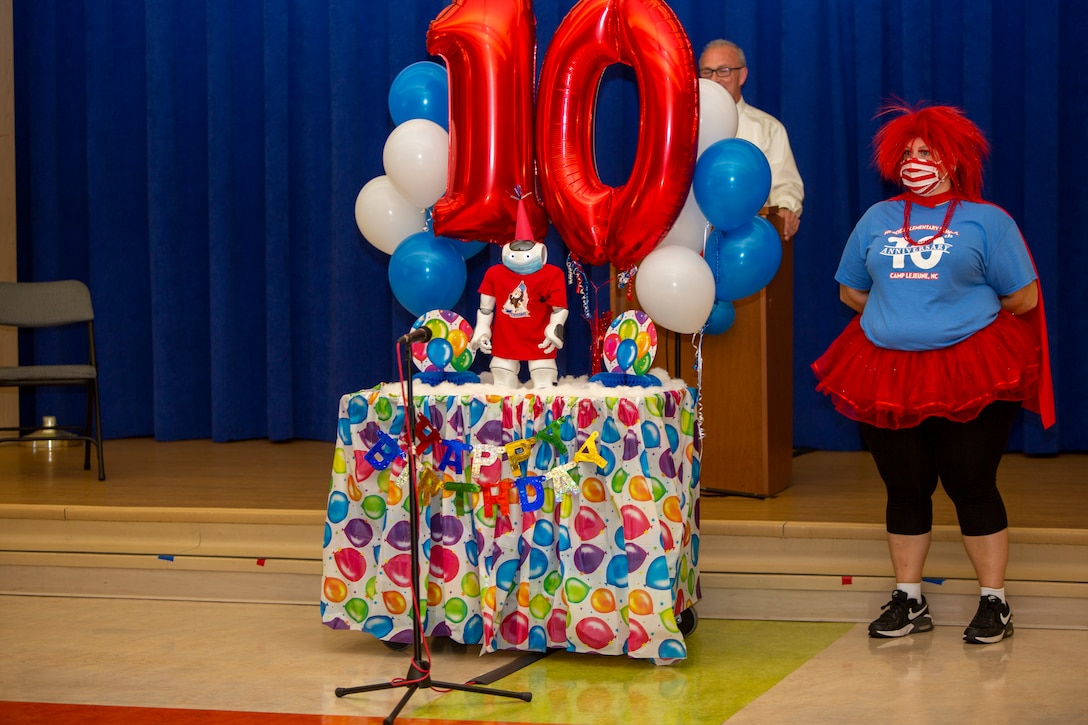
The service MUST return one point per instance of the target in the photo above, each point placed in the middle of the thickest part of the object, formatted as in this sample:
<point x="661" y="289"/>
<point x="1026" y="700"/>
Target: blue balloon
<point x="722" y="316"/>
<point x="357" y="409"/>
<point x="538" y="563"/>
<point x="626" y="353"/>
<point x="610" y="433"/>
<point x="468" y="249"/>
<point x="379" y="626"/>
<point x="731" y="183"/>
<point x="745" y="259"/>
<point x="439" y="352"/>
<point x="616" y="573"/>
<point x="543" y="458"/>
<point x="473" y="632"/>
<point x="421" y="90"/>
<point x="651" y="434"/>
<point x="337" y="509"/>
<point x="538" y="639"/>
<point x="543" y="533"/>
<point x="672" y="649"/>
<point x="426" y="273"/>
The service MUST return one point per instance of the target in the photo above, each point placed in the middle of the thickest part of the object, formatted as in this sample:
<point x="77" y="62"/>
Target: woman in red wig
<point x="949" y="342"/>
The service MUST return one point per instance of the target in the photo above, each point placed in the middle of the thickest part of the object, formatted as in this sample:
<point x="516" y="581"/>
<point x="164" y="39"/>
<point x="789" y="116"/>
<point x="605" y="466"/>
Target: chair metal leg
<point x="98" y="432"/>
<point x="88" y="431"/>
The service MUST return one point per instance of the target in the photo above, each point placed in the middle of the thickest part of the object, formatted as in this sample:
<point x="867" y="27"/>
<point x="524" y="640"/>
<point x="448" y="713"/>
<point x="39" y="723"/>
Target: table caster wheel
<point x="687" y="621"/>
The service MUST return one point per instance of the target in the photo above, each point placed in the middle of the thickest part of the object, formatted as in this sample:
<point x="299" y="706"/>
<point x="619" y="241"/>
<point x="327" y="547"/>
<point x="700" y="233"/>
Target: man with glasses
<point x="723" y="62"/>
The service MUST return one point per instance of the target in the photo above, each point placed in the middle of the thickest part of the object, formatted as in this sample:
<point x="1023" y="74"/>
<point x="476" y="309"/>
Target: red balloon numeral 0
<point x="489" y="50"/>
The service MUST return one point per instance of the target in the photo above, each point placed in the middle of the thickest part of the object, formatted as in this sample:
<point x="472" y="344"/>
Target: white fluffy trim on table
<point x="569" y="386"/>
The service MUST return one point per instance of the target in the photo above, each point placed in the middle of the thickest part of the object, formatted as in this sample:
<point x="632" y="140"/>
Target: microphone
<point x="420" y="334"/>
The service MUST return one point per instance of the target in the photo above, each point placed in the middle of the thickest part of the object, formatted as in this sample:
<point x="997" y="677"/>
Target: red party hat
<point x="524" y="230"/>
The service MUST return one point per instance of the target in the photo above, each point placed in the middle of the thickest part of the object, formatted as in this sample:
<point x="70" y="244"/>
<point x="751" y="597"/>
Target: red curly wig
<point x="950" y="135"/>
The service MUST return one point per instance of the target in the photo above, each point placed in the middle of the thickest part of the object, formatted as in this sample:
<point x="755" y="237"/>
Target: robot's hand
<point x="481" y="336"/>
<point x="481" y="341"/>
<point x="553" y="333"/>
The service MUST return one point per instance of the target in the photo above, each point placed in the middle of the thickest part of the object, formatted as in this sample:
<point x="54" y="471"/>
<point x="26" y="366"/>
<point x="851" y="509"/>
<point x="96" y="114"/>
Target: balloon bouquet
<point x="740" y="251"/>
<point x="464" y="138"/>
<point x="426" y="272"/>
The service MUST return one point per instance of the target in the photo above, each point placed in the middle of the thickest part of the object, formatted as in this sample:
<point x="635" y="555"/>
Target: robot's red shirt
<point x="523" y="307"/>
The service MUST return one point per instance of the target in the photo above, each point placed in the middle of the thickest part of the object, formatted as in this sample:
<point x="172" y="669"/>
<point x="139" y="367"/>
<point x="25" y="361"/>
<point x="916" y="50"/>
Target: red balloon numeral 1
<point x="489" y="49"/>
<point x="490" y="53"/>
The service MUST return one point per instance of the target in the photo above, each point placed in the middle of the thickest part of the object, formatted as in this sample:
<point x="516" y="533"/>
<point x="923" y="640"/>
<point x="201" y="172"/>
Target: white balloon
<point x="717" y="114"/>
<point x="384" y="216"/>
<point x="676" y="288"/>
<point x="689" y="229"/>
<point x="416" y="159"/>
<point x="717" y="121"/>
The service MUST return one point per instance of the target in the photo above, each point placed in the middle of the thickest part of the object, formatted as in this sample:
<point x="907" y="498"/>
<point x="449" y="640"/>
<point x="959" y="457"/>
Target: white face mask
<point x="524" y="257"/>
<point x="921" y="177"/>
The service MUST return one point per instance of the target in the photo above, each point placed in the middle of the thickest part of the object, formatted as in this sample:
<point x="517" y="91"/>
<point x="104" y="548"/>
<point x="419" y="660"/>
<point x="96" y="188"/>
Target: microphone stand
<point x="419" y="674"/>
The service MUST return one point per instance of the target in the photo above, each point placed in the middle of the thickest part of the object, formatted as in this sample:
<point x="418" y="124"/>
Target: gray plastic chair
<point x="28" y="305"/>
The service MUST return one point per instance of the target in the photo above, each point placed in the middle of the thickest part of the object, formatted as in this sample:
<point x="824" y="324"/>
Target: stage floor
<point x="840" y="487"/>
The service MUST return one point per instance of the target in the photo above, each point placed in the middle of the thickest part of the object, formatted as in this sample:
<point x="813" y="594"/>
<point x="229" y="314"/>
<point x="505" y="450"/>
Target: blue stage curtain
<point x="197" y="163"/>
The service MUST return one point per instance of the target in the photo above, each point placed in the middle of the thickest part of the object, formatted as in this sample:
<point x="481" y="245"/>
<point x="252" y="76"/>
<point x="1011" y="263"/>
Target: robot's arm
<point x="481" y="336"/>
<point x="553" y="333"/>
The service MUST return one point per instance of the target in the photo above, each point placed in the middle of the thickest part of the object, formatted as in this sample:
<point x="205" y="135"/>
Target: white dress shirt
<point x="768" y="133"/>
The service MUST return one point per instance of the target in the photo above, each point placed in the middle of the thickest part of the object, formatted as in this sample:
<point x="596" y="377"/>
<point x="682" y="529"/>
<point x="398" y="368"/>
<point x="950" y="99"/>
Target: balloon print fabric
<point x="546" y="520"/>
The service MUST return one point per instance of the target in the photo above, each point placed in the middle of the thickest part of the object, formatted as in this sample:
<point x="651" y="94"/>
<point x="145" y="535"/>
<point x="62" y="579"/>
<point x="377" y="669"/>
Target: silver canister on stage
<point x="49" y="438"/>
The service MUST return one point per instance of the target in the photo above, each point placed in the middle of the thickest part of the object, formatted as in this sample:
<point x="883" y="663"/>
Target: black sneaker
<point x="902" y="616"/>
<point x="992" y="622"/>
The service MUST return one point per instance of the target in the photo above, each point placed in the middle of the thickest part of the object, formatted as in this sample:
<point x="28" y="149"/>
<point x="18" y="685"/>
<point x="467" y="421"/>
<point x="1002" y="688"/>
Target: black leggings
<point x="964" y="456"/>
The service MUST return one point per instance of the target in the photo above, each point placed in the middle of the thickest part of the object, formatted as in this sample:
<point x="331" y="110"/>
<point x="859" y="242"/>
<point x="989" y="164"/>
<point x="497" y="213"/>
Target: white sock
<point x="999" y="593"/>
<point x="913" y="590"/>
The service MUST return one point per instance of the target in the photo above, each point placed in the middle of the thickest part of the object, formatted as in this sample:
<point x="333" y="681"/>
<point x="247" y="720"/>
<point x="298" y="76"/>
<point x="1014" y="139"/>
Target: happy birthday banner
<point x="484" y="456"/>
<point x="547" y="520"/>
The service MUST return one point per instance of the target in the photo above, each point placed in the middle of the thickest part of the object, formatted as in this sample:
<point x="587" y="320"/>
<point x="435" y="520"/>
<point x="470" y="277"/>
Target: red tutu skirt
<point x="899" y="389"/>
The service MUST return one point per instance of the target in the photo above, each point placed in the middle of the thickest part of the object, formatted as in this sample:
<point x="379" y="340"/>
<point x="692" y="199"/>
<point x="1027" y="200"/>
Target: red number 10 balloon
<point x="489" y="49"/>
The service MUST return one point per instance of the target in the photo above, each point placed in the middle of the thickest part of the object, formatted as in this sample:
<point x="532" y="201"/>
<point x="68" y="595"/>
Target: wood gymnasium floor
<point x="103" y="660"/>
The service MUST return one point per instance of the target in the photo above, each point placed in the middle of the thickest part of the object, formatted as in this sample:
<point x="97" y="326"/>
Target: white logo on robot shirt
<point x="517" y="303"/>
<point x="924" y="256"/>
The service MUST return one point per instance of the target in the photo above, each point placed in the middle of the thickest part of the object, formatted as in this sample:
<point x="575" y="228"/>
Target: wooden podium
<point x="747" y="393"/>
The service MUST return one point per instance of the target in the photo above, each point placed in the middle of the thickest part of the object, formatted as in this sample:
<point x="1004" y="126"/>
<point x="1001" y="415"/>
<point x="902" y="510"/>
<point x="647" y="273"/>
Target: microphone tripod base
<point x="419" y="677"/>
<point x="419" y="674"/>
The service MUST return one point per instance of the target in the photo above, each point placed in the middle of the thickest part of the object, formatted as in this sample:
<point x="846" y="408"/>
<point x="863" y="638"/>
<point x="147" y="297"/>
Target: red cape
<point x="1043" y="400"/>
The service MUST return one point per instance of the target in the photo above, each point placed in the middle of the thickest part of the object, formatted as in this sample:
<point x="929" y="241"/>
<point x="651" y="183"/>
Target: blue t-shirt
<point x="939" y="293"/>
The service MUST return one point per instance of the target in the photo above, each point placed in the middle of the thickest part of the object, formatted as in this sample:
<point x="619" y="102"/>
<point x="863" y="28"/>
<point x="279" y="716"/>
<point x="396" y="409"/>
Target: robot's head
<point x="524" y="257"/>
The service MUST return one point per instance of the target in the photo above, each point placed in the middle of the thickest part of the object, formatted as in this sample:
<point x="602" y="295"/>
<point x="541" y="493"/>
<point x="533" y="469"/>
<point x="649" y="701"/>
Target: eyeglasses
<point x="722" y="71"/>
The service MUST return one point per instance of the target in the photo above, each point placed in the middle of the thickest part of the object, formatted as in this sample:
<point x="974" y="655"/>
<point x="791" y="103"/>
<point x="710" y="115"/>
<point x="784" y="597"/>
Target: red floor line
<point x="37" y="713"/>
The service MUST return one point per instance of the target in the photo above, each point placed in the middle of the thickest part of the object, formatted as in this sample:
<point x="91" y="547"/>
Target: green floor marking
<point x="729" y="664"/>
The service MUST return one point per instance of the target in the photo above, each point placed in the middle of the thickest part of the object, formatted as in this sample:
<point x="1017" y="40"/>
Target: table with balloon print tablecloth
<point x="565" y="518"/>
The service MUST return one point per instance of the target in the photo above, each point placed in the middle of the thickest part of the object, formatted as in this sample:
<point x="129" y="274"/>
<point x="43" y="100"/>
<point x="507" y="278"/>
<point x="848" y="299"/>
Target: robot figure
<point x="528" y="324"/>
